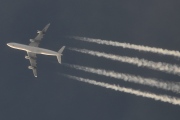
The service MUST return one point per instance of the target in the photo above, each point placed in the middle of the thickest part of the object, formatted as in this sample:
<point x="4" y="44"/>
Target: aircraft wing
<point x="32" y="59"/>
<point x="35" y="42"/>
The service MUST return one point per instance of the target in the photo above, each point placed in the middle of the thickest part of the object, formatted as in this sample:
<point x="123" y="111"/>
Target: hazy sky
<point x="52" y="96"/>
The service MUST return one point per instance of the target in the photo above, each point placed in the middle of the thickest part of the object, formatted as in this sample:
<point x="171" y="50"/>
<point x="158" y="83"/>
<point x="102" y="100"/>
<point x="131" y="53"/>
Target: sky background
<point x="52" y="96"/>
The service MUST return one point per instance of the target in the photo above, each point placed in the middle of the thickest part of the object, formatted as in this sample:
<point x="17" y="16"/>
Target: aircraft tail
<point x="60" y="54"/>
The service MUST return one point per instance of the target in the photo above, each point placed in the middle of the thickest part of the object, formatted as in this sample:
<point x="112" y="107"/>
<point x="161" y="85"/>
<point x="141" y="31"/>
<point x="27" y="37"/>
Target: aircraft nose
<point x="7" y="44"/>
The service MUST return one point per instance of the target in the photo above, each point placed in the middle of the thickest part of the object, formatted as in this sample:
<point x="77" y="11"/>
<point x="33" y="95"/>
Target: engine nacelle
<point x="32" y="40"/>
<point x="38" y="31"/>
<point x="27" y="57"/>
<point x="30" y="67"/>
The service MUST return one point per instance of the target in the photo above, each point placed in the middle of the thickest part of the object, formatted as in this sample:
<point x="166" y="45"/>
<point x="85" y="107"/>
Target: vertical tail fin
<point x="60" y="54"/>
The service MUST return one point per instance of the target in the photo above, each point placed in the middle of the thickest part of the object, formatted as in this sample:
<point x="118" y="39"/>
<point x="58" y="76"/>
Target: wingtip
<point x="47" y="25"/>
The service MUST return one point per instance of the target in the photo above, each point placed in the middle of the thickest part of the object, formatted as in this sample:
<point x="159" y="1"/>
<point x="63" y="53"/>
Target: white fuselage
<point x="32" y="49"/>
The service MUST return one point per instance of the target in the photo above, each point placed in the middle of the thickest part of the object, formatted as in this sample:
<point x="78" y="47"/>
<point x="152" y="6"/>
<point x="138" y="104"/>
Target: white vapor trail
<point x="160" y="66"/>
<point x="131" y="46"/>
<point x="131" y="78"/>
<point x="163" y="98"/>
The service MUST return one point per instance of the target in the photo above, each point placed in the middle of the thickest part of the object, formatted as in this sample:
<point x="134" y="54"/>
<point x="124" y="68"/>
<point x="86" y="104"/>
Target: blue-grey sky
<point x="52" y="96"/>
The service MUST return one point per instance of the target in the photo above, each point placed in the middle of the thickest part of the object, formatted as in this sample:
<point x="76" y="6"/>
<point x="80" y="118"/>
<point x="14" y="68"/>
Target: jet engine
<point x="38" y="31"/>
<point x="27" y="57"/>
<point x="30" y="67"/>
<point x="32" y="40"/>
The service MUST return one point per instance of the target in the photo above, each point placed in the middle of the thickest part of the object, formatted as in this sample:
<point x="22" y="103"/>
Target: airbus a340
<point x="32" y="49"/>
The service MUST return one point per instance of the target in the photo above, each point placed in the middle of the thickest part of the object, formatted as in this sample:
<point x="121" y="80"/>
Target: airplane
<point x="32" y="49"/>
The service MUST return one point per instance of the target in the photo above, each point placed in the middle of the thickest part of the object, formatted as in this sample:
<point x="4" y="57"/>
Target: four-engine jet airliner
<point x="32" y="49"/>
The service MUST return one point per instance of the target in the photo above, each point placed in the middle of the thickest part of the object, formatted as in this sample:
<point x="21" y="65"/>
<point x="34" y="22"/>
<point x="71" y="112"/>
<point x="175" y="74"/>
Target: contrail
<point x="131" y="46"/>
<point x="160" y="66"/>
<point x="163" y="98"/>
<point x="131" y="78"/>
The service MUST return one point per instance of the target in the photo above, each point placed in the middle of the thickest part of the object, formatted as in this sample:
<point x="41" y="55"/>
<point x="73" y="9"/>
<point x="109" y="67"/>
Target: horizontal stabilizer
<point x="61" y="50"/>
<point x="60" y="54"/>
<point x="59" y="58"/>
